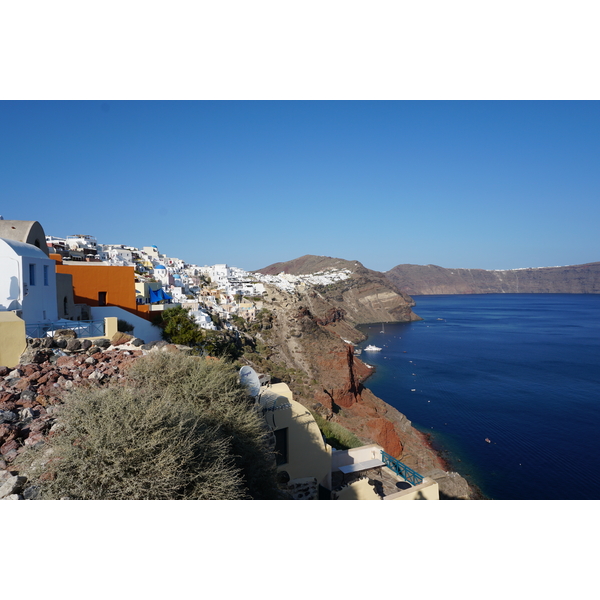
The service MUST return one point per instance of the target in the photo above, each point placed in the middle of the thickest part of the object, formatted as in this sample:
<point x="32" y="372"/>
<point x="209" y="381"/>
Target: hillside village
<point x="161" y="280"/>
<point x="50" y="284"/>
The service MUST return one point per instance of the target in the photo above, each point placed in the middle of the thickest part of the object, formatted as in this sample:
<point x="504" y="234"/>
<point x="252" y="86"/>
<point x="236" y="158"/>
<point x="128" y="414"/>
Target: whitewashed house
<point x="117" y="255"/>
<point x="203" y="319"/>
<point x="27" y="282"/>
<point x="161" y="274"/>
<point x="220" y="274"/>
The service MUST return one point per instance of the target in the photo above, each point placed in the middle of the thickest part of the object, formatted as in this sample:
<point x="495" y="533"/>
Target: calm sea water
<point x="522" y="370"/>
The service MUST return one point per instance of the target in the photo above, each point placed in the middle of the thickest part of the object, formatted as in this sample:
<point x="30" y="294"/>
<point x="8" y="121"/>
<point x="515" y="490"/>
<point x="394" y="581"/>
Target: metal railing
<point x="401" y="469"/>
<point x="83" y="329"/>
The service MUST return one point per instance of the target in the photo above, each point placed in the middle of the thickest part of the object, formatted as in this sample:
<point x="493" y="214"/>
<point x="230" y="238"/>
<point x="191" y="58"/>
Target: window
<point x="46" y="275"/>
<point x="101" y="298"/>
<point x="31" y="274"/>
<point x="281" y="446"/>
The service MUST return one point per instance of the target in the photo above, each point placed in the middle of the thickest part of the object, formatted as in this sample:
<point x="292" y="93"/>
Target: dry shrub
<point x="182" y="429"/>
<point x="211" y="389"/>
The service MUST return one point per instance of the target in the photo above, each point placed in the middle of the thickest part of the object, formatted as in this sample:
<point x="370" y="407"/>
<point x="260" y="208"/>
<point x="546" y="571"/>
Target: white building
<point x="161" y="274"/>
<point x="116" y="255"/>
<point x="27" y="282"/>
<point x="83" y="244"/>
<point x="203" y="319"/>
<point x="152" y="252"/>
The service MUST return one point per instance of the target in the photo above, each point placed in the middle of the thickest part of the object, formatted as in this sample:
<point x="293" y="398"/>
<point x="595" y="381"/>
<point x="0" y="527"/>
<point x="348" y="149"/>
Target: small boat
<point x="371" y="348"/>
<point x="488" y="440"/>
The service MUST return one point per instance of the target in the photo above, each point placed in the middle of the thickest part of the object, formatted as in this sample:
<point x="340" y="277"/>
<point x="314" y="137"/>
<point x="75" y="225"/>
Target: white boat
<point x="371" y="348"/>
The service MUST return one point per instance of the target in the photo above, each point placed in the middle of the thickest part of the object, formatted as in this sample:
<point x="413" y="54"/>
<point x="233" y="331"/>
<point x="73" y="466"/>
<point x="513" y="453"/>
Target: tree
<point x="180" y="328"/>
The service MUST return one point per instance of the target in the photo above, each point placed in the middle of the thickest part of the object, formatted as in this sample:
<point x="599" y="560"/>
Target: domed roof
<point x="28" y="232"/>
<point x="23" y="249"/>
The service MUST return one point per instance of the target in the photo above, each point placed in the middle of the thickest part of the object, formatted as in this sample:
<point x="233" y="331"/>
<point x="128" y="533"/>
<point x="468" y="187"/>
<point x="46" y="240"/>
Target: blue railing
<point x="401" y="469"/>
<point x="83" y="329"/>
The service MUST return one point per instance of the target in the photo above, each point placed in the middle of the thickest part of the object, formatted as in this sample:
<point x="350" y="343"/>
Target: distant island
<point x="415" y="280"/>
<point x="430" y="279"/>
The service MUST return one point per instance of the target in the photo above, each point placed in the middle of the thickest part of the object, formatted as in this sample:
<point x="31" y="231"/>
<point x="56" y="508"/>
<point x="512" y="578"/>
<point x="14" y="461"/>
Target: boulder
<point x="120" y="338"/>
<point x="97" y="376"/>
<point x="28" y="396"/>
<point x="65" y="333"/>
<point x="73" y="345"/>
<point x="8" y="447"/>
<point x="12" y="485"/>
<point x="7" y="416"/>
<point x="31" y="493"/>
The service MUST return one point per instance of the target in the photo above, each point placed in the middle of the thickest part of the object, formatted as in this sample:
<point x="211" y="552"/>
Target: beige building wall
<point x="142" y="289"/>
<point x="12" y="336"/>
<point x="67" y="309"/>
<point x="428" y="490"/>
<point x="308" y="454"/>
<point x="111" y="326"/>
<point x="359" y="490"/>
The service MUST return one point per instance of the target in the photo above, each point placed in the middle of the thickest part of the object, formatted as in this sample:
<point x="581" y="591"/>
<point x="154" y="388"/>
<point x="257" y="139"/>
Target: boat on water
<point x="371" y="348"/>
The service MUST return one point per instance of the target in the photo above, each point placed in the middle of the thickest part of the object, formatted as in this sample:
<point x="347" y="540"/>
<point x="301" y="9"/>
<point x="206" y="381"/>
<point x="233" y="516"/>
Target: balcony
<point x="159" y="307"/>
<point x="83" y="329"/>
<point x="391" y="480"/>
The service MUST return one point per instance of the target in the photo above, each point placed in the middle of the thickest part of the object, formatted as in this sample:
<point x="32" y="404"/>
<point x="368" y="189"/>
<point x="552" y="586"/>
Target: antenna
<point x="249" y="379"/>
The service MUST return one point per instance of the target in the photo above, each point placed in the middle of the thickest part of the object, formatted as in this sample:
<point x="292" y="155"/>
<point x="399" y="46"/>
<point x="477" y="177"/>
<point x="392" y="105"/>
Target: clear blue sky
<point x="474" y="184"/>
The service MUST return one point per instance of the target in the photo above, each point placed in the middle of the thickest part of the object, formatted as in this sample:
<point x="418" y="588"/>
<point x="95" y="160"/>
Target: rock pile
<point x="31" y="393"/>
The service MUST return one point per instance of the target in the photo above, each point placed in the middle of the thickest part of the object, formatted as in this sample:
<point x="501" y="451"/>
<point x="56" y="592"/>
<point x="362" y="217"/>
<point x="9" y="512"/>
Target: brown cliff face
<point x="308" y="333"/>
<point x="431" y="279"/>
<point x="365" y="297"/>
<point x="308" y="336"/>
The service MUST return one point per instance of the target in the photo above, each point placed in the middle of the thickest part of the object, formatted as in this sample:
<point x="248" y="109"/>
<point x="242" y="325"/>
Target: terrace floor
<point x="386" y="481"/>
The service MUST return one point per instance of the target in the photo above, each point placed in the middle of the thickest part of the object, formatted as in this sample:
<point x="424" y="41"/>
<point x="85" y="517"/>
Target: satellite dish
<point x="249" y="379"/>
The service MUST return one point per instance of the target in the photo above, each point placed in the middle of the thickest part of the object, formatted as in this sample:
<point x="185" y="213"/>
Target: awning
<point x="159" y="295"/>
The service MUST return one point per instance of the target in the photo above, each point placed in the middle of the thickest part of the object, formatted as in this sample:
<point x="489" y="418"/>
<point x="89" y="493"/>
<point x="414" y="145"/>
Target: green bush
<point x="182" y="428"/>
<point x="179" y="327"/>
<point x="337" y="436"/>
<point x="124" y="326"/>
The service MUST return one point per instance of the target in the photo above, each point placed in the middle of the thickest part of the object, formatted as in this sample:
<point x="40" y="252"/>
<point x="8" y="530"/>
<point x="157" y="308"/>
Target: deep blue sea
<point x="522" y="370"/>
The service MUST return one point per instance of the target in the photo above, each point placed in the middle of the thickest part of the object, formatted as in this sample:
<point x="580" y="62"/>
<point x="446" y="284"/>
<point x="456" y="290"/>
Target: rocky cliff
<point x="366" y="296"/>
<point x="308" y="336"/>
<point x="431" y="279"/>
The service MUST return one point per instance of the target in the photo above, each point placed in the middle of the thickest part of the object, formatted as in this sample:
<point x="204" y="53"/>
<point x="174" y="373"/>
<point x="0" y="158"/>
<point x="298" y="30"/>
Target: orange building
<point x="96" y="284"/>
